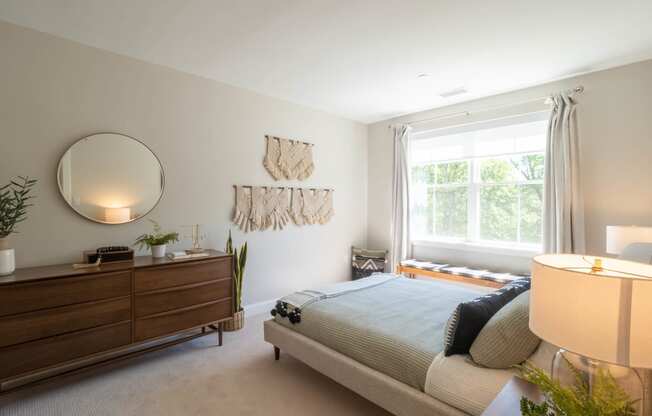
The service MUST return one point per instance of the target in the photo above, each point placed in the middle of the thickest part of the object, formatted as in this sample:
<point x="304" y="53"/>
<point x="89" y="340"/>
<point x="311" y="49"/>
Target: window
<point x="480" y="183"/>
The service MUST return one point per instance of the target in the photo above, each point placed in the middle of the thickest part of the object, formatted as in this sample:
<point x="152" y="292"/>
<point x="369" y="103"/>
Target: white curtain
<point x="563" y="224"/>
<point x="400" y="198"/>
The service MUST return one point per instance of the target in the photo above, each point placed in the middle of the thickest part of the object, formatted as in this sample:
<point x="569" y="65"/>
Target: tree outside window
<point x="491" y="200"/>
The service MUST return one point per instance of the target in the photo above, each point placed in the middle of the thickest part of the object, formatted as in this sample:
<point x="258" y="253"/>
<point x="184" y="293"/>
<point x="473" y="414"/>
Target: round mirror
<point x="110" y="178"/>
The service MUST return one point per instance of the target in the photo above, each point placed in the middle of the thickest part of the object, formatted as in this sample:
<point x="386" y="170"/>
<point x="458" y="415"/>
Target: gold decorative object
<point x="196" y="236"/>
<point x="597" y="265"/>
<point x="88" y="265"/>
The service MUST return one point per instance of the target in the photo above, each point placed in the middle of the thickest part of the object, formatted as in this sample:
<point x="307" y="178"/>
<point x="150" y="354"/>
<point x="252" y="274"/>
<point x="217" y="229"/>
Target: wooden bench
<point x="446" y="272"/>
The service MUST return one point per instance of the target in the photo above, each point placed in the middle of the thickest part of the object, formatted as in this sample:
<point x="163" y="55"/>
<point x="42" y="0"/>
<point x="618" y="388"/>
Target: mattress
<point x="396" y="328"/>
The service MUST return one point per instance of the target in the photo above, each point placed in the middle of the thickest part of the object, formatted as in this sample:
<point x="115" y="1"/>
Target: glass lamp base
<point x="569" y="368"/>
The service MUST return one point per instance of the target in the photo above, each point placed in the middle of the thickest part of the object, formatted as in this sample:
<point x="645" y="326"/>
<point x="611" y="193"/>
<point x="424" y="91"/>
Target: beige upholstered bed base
<point x="394" y="396"/>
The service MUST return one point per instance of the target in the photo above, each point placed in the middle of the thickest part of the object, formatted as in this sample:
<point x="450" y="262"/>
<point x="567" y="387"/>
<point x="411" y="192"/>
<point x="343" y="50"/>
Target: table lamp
<point x="620" y="236"/>
<point x="599" y="312"/>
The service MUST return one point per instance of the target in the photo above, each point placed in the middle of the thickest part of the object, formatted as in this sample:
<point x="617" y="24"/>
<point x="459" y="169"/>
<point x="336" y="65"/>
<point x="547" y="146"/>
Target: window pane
<point x="498" y="212"/>
<point x="512" y="168"/>
<point x="423" y="174"/>
<point x="531" y="213"/>
<point x="528" y="167"/>
<point x="422" y="214"/>
<point x="451" y="209"/>
<point x="453" y="172"/>
<point x="511" y="135"/>
<point x="497" y="170"/>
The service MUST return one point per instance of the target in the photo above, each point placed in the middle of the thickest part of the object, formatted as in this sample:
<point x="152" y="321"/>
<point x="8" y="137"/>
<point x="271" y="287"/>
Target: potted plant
<point x="14" y="201"/>
<point x="239" y="263"/>
<point x="157" y="241"/>
<point x="602" y="397"/>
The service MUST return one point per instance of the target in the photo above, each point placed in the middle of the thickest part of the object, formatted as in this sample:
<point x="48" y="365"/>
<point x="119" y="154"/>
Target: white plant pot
<point x="7" y="262"/>
<point x="158" y="251"/>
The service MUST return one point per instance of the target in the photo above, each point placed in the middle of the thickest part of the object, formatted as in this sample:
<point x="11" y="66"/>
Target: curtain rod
<point x="284" y="187"/>
<point x="577" y="90"/>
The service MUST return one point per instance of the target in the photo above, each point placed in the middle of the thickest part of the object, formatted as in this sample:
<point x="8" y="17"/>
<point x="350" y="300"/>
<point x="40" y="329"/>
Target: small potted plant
<point x="14" y="201"/>
<point x="239" y="263"/>
<point x="157" y="241"/>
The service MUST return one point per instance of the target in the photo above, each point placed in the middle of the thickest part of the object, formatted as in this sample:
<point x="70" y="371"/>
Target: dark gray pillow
<point x="506" y="340"/>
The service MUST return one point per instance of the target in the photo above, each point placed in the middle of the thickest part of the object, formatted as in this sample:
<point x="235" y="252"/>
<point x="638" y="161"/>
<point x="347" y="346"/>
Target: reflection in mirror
<point x="110" y="178"/>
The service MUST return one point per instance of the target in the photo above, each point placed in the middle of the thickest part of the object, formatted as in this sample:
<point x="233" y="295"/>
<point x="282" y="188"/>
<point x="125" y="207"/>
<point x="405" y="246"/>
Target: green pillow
<point x="506" y="340"/>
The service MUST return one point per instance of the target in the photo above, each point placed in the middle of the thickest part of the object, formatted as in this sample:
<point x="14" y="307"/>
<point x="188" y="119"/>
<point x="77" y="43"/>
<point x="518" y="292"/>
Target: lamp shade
<point x="620" y="236"/>
<point x="605" y="315"/>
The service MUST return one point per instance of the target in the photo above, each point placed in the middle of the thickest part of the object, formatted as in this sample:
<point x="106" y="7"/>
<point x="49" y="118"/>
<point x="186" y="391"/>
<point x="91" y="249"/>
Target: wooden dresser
<point x="56" y="316"/>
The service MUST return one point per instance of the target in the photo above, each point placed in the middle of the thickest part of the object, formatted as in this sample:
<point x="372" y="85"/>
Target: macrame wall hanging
<point x="288" y="159"/>
<point x="264" y="207"/>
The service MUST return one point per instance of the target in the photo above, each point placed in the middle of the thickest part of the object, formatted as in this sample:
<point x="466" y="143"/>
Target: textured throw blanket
<point x="290" y="306"/>
<point x="305" y="297"/>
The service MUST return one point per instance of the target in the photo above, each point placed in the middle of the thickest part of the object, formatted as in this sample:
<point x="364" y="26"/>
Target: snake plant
<point x="239" y="263"/>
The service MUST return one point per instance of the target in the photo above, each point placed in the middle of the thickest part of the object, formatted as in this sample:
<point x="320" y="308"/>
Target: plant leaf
<point x="13" y="203"/>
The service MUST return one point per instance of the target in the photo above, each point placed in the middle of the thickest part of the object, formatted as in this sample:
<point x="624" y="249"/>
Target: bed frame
<point x="392" y="395"/>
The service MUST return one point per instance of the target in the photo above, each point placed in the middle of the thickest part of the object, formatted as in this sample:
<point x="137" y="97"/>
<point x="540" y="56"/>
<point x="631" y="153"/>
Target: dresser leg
<point x="219" y="333"/>
<point x="277" y="353"/>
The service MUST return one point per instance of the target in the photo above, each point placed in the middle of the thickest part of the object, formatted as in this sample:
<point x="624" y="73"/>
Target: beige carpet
<point x="196" y="378"/>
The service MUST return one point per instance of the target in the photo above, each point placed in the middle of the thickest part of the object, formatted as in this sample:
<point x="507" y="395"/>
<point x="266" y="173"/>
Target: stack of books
<point x="183" y="255"/>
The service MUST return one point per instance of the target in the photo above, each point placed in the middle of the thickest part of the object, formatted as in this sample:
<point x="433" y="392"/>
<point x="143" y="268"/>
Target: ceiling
<point x="358" y="58"/>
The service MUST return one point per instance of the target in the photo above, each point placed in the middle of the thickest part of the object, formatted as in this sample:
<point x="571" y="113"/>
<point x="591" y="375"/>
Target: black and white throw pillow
<point x="470" y="317"/>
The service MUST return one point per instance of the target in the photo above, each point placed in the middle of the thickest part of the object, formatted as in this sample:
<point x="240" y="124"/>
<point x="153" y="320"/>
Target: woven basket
<point x="236" y="323"/>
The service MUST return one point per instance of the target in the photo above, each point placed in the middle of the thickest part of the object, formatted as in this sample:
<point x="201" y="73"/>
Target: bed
<point x="382" y="337"/>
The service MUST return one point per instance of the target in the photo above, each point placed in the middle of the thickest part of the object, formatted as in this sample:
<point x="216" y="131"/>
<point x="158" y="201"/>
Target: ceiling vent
<point x="453" y="92"/>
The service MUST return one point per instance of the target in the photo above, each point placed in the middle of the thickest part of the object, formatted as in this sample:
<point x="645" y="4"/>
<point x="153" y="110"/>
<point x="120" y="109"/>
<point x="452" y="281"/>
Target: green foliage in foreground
<point x="14" y="201"/>
<point x="157" y="238"/>
<point x="605" y="398"/>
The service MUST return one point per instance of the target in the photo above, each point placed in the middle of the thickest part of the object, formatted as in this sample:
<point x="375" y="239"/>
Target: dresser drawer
<point x="153" y="278"/>
<point x="34" y="325"/>
<point x="28" y="297"/>
<point x="173" y="321"/>
<point x="182" y="296"/>
<point x="34" y="355"/>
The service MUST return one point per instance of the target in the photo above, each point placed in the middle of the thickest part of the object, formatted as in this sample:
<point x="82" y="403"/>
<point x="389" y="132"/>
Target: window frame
<point x="472" y="240"/>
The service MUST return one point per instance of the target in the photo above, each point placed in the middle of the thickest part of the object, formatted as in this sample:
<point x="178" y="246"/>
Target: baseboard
<point x="259" y="308"/>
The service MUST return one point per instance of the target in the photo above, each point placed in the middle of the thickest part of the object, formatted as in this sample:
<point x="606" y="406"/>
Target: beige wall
<point x="615" y="119"/>
<point x="208" y="136"/>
